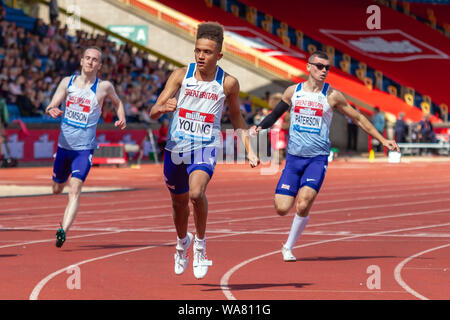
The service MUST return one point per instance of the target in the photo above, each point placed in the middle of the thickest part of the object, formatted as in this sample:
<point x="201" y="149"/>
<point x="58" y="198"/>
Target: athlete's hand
<point x="169" y="106"/>
<point x="391" y="145"/>
<point x="253" y="159"/>
<point x="54" y="112"/>
<point x="122" y="124"/>
<point x="254" y="130"/>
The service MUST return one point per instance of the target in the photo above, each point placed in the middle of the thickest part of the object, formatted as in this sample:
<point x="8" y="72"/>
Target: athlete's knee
<point x="75" y="188"/>
<point x="282" y="209"/>
<point x="302" y="207"/>
<point x="57" y="188"/>
<point x="196" y="195"/>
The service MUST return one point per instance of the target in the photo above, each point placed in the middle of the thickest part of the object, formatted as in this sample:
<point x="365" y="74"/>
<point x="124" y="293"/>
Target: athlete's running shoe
<point x="181" y="256"/>
<point x="287" y="254"/>
<point x="200" y="264"/>
<point x="60" y="237"/>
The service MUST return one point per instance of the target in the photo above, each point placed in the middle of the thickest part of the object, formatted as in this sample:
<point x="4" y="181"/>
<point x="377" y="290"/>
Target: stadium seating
<point x="399" y="74"/>
<point x="360" y="93"/>
<point x="19" y="18"/>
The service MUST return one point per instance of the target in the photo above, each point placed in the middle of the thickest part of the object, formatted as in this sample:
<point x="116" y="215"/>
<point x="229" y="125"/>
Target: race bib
<point x="77" y="113"/>
<point x="194" y="125"/>
<point x="307" y="116"/>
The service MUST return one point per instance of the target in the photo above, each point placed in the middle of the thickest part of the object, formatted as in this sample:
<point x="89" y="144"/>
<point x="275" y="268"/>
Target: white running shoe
<point x="181" y="257"/>
<point x="287" y="254"/>
<point x="200" y="264"/>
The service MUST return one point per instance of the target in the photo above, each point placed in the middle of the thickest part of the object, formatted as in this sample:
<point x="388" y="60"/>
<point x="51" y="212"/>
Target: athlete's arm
<point x="117" y="103"/>
<point x="166" y="102"/>
<point x="278" y="111"/>
<point x="337" y="100"/>
<point x="231" y="88"/>
<point x="58" y="97"/>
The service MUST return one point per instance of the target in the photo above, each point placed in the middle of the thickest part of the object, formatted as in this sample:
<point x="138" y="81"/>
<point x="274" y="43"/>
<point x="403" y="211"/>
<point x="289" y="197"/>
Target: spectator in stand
<point x="163" y="134"/>
<point x="246" y="109"/>
<point x="278" y="132"/>
<point x="53" y="10"/>
<point x="401" y="128"/>
<point x="28" y="104"/>
<point x="379" y="123"/>
<point x="426" y="131"/>
<point x="352" y="133"/>
<point x="40" y="28"/>
<point x="261" y="113"/>
<point x="108" y="113"/>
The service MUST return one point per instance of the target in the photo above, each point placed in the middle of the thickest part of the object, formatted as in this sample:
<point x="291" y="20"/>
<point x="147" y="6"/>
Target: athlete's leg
<point x="200" y="173"/>
<point x="283" y="203"/>
<point x="288" y="185"/>
<point x="310" y="184"/>
<point x="198" y="180"/>
<point x="61" y="169"/>
<point x="305" y="200"/>
<point x="70" y="213"/>
<point x="180" y="213"/>
<point x="57" y="188"/>
<point x="177" y="181"/>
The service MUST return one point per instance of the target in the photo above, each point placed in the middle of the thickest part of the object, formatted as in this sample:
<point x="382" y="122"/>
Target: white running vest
<point x="80" y="118"/>
<point x="311" y="117"/>
<point x="196" y="121"/>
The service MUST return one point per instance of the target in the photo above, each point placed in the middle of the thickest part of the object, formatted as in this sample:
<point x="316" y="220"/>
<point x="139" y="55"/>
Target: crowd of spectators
<point x="32" y="63"/>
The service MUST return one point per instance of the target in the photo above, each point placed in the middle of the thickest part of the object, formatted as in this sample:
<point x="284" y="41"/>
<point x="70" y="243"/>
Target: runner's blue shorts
<point x="302" y="171"/>
<point x="71" y="162"/>
<point x="179" y="165"/>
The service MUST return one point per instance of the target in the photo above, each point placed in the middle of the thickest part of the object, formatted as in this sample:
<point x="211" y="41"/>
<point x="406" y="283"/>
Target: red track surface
<point x="392" y="216"/>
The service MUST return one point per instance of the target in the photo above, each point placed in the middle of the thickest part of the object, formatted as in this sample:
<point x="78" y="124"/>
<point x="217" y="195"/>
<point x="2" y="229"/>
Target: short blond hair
<point x="95" y="48"/>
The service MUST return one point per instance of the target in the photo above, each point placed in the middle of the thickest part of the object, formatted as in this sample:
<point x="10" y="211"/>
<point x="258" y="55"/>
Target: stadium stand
<point x="36" y="56"/>
<point x="402" y="74"/>
<point x="435" y="14"/>
<point x="360" y="94"/>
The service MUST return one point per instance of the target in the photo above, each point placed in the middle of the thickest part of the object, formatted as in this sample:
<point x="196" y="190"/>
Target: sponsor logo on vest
<point x="195" y="116"/>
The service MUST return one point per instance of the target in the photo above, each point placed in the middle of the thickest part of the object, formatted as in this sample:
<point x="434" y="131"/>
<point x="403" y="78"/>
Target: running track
<point x="391" y="217"/>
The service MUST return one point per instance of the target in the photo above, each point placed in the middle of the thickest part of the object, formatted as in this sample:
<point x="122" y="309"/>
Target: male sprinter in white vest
<point x="83" y="98"/>
<point x="196" y="95"/>
<point x="311" y="105"/>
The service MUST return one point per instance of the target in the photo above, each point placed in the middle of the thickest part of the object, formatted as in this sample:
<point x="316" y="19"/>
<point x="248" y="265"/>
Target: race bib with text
<point x="194" y="125"/>
<point x="307" y="116"/>
<point x="77" y="111"/>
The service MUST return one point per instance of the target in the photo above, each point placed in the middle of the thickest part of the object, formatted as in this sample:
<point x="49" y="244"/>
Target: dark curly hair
<point x="212" y="31"/>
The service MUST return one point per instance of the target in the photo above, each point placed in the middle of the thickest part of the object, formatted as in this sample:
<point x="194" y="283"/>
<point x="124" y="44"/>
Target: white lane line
<point x="222" y="194"/>
<point x="38" y="288"/>
<point x="399" y="267"/>
<point x="226" y="277"/>
<point x="164" y="228"/>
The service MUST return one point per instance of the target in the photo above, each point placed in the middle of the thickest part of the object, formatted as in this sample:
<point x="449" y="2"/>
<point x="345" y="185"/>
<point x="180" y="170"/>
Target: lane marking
<point x="399" y="267"/>
<point x="226" y="277"/>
